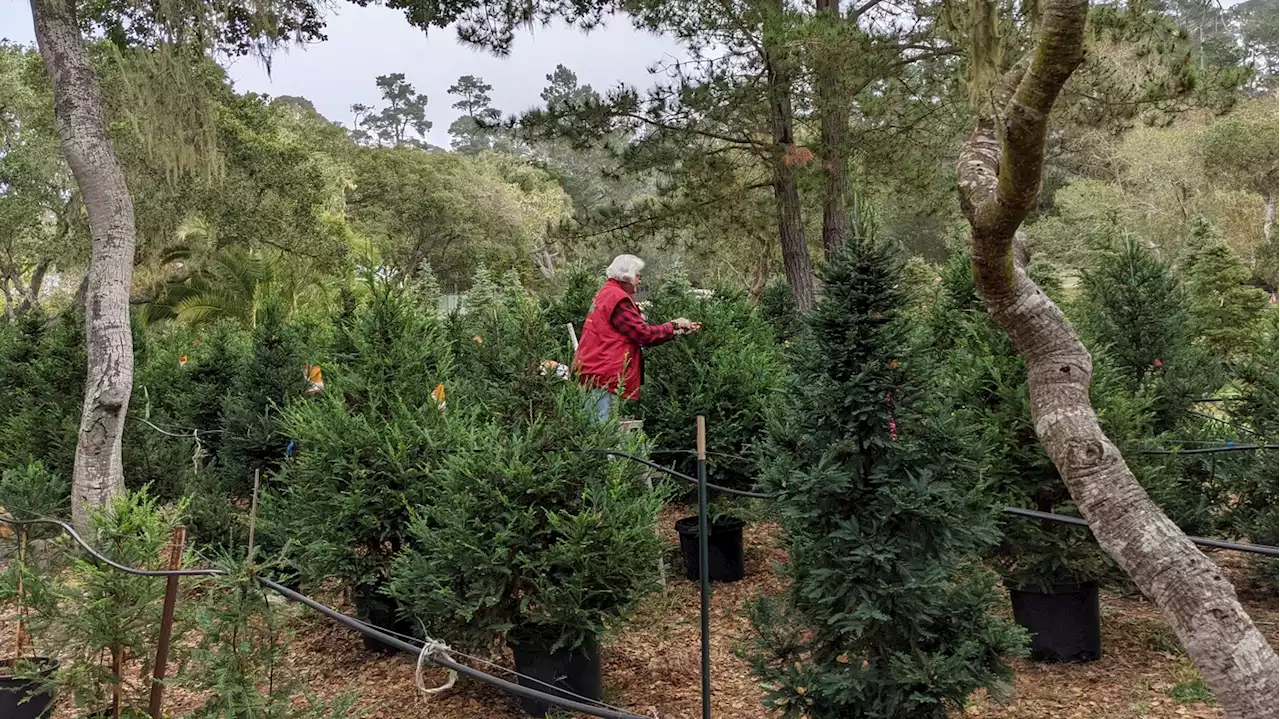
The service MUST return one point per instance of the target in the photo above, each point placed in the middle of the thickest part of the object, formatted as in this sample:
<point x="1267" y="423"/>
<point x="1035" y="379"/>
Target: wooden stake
<point x="253" y="513"/>
<point x="166" y="622"/>
<point x="22" y="607"/>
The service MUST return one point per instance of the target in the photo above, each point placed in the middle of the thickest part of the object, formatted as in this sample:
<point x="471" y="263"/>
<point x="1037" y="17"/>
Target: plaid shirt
<point x="628" y="321"/>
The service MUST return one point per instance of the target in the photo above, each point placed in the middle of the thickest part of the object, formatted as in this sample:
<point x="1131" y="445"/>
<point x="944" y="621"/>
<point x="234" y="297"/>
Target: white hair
<point x="624" y="268"/>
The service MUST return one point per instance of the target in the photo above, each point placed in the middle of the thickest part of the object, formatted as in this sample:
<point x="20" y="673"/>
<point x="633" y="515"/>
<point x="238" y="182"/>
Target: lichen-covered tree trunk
<point x="77" y="100"/>
<point x="786" y="158"/>
<point x="999" y="178"/>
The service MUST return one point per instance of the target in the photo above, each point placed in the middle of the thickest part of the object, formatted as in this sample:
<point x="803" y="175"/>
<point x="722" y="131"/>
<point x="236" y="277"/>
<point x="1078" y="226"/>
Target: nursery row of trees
<point x="722" y="150"/>
<point x="441" y="474"/>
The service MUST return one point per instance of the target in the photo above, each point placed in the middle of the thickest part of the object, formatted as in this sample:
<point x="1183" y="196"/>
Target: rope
<point x="429" y="648"/>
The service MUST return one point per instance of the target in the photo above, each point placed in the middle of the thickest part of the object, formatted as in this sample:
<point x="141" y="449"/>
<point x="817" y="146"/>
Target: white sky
<point x="366" y="42"/>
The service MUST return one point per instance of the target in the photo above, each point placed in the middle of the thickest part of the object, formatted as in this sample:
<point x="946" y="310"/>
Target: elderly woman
<point x="610" y="358"/>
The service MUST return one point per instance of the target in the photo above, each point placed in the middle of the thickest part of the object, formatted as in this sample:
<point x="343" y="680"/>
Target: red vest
<point x="604" y="354"/>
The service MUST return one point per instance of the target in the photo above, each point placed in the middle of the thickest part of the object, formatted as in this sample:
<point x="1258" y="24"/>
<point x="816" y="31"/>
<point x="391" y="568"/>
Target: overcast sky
<point x="366" y="42"/>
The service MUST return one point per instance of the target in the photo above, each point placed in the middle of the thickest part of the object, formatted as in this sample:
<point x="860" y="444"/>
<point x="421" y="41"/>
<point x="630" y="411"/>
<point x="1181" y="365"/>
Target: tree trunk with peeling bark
<point x="999" y="179"/>
<point x="77" y="100"/>
<point x="795" y="252"/>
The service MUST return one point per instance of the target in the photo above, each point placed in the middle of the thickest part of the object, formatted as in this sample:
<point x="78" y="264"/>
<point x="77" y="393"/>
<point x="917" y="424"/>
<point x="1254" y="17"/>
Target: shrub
<point x="1135" y="309"/>
<point x="240" y="662"/>
<point x="104" y="612"/>
<point x="889" y="611"/>
<point x="730" y="371"/>
<point x="42" y="370"/>
<point x="531" y="534"/>
<point x="366" y="447"/>
<point x="181" y="378"/>
<point x="1225" y="310"/>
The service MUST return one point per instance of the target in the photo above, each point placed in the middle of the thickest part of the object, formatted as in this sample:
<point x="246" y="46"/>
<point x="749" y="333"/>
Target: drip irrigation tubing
<point x="350" y="622"/>
<point x="1201" y="541"/>
<point x="1209" y="450"/>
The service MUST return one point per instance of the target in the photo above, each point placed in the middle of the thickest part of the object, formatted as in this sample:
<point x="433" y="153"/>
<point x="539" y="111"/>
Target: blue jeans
<point x="600" y="401"/>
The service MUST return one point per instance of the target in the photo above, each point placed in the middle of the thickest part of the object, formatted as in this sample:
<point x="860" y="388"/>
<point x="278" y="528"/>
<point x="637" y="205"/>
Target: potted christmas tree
<point x="889" y="609"/>
<point x="530" y="533"/>
<point x="535" y="537"/>
<point x="365" y="449"/>
<point x="1051" y="570"/>
<point x="730" y="372"/>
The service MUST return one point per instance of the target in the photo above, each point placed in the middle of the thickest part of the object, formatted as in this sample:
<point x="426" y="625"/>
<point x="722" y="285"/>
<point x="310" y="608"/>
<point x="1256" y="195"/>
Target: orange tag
<point x="315" y="378"/>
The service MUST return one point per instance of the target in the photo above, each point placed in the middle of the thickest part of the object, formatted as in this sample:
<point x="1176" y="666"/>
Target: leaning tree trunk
<point x="999" y="178"/>
<point x="77" y="104"/>
<point x="834" y="120"/>
<point x="786" y="158"/>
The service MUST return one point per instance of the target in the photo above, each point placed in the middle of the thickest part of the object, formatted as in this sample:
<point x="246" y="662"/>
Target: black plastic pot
<point x="1064" y="621"/>
<point x="724" y="549"/>
<point x="22" y="698"/>
<point x="286" y="576"/>
<point x="562" y="673"/>
<point x="380" y="611"/>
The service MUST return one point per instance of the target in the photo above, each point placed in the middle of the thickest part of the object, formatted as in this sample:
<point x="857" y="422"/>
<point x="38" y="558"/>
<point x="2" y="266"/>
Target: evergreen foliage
<point x="42" y="368"/>
<point x="105" y="617"/>
<point x="1135" y="308"/>
<point x="500" y="339"/>
<point x="367" y="446"/>
<point x="1225" y="309"/>
<point x="778" y="309"/>
<point x="182" y="377"/>
<point x="240" y="662"/>
<point x="889" y="611"/>
<point x="579" y="287"/>
<point x="1253" y="513"/>
<point x="529" y="534"/>
<point x="731" y="372"/>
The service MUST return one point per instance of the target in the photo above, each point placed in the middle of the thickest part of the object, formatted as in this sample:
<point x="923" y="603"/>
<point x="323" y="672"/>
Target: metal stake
<point x="704" y="567"/>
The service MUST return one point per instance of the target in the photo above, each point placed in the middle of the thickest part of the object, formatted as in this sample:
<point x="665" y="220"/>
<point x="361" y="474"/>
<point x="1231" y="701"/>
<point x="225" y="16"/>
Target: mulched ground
<point x="651" y="666"/>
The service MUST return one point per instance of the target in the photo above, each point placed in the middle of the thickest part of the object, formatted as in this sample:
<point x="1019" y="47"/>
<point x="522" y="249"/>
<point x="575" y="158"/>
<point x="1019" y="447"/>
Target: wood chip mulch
<point x="651" y="663"/>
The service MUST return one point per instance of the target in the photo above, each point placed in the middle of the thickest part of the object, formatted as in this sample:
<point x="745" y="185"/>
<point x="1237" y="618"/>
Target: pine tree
<point x="268" y="381"/>
<point x="1224" y="308"/>
<point x="889" y="611"/>
<point x="1135" y="311"/>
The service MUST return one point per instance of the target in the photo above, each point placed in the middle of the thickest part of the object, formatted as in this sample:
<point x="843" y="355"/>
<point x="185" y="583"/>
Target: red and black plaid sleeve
<point x="626" y="319"/>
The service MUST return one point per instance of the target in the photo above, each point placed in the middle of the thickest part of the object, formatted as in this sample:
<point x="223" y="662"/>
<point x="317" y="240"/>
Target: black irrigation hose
<point x="99" y="557"/>
<point x="347" y="621"/>
<point x="443" y="661"/>
<point x="1209" y="450"/>
<point x="1202" y="541"/>
<point x="680" y="475"/>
